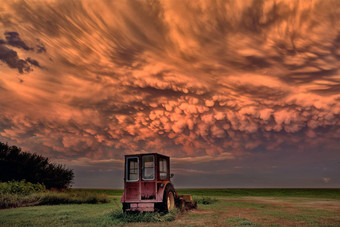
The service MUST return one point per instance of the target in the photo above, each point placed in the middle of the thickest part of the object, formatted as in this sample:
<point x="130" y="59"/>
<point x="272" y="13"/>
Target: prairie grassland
<point x="110" y="192"/>
<point x="215" y="209"/>
<point x="333" y="193"/>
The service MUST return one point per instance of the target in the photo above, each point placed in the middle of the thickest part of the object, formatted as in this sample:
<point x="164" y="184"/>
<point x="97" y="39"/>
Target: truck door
<point x="148" y="185"/>
<point x="132" y="178"/>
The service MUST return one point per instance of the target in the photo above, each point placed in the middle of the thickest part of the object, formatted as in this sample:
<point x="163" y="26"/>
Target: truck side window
<point x="163" y="169"/>
<point x="148" y="167"/>
<point x="132" y="168"/>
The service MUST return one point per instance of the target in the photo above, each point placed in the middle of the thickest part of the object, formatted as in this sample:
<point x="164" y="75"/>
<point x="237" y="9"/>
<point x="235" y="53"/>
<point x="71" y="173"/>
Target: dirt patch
<point x="325" y="206"/>
<point x="247" y="213"/>
<point x="202" y="211"/>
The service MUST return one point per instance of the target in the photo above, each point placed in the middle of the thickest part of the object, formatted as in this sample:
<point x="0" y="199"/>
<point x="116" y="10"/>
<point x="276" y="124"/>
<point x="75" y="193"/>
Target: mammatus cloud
<point x="221" y="79"/>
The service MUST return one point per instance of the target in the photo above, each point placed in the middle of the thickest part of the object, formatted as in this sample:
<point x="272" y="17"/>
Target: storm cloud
<point x="13" y="39"/>
<point x="11" y="58"/>
<point x="197" y="80"/>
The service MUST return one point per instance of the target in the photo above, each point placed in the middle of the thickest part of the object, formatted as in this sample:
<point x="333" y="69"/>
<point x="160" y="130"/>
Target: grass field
<point x="229" y="207"/>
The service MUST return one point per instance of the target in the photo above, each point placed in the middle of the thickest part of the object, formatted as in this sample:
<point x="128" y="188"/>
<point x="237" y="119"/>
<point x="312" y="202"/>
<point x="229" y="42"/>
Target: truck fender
<point x="161" y="190"/>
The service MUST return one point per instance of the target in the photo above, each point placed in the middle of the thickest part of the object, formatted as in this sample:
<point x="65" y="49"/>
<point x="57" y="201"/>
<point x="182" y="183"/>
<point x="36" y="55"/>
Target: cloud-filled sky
<point x="237" y="93"/>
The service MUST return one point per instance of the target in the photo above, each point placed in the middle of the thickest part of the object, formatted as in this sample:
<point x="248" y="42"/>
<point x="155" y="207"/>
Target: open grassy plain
<point x="217" y="207"/>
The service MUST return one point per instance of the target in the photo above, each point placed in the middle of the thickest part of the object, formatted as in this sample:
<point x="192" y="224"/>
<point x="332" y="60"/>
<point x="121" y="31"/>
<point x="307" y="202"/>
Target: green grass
<point x="60" y="215"/>
<point x="109" y="214"/>
<point x="236" y="221"/>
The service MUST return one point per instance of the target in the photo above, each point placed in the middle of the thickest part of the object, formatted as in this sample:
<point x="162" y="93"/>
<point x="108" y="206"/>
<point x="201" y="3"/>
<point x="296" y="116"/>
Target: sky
<point x="237" y="93"/>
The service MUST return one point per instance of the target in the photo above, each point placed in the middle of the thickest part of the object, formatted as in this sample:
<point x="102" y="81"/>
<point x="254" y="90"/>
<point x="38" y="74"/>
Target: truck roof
<point x="137" y="154"/>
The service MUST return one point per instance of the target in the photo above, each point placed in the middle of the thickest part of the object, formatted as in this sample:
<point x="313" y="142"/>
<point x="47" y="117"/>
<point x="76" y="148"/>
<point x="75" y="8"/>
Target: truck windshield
<point x="148" y="167"/>
<point x="132" y="169"/>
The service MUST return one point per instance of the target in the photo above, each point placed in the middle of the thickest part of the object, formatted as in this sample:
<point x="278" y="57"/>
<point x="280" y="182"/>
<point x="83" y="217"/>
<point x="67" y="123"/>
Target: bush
<point x="206" y="200"/>
<point x="18" y="165"/>
<point x="127" y="217"/>
<point x="20" y="188"/>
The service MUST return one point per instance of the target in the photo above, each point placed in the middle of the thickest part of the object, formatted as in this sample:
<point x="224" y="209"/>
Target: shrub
<point x="20" y="187"/>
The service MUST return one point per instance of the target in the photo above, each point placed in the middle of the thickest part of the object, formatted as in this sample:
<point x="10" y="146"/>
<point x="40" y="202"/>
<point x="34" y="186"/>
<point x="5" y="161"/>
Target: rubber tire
<point x="168" y="197"/>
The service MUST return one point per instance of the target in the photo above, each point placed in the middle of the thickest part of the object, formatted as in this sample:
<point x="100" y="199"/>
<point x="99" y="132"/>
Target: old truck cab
<point x="147" y="185"/>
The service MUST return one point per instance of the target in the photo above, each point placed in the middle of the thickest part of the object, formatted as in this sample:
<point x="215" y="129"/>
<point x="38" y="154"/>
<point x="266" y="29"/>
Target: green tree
<point x="18" y="165"/>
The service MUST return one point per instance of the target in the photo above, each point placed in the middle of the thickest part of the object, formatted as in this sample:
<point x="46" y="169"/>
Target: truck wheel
<point x="125" y="206"/>
<point x="169" y="199"/>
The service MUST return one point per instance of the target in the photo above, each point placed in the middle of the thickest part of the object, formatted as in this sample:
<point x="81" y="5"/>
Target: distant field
<point x="231" y="207"/>
<point x="284" y="192"/>
<point x="235" y="192"/>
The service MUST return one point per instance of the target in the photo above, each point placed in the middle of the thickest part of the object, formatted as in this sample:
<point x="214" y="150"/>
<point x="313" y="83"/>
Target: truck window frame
<point x="128" y="169"/>
<point x="166" y="177"/>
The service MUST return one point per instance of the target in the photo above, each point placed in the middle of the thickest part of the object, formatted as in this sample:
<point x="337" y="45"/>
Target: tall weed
<point x="127" y="217"/>
<point x="19" y="194"/>
<point x="205" y="200"/>
<point x="15" y="200"/>
<point x="53" y="198"/>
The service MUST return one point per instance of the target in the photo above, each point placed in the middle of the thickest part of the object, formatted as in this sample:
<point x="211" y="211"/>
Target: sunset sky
<point x="237" y="93"/>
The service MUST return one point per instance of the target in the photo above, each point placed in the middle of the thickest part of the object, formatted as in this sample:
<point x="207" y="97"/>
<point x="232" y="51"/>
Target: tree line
<point x="17" y="165"/>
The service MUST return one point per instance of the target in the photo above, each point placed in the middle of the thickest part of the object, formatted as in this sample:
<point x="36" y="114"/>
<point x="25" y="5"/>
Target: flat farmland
<point x="217" y="207"/>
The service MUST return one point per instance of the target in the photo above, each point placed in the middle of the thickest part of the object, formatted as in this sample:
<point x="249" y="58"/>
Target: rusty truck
<point x="147" y="185"/>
